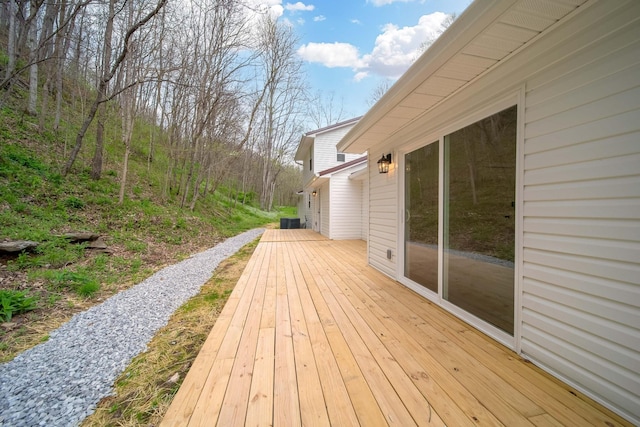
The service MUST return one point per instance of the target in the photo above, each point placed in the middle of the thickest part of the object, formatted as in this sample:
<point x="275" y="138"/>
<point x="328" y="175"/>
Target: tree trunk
<point x="11" y="46"/>
<point x="33" y="61"/>
<point x="104" y="82"/>
<point x="96" y="164"/>
<point x="125" y="169"/>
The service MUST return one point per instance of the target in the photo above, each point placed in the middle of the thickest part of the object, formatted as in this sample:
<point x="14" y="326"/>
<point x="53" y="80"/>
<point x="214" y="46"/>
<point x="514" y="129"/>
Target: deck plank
<point x="339" y="408"/>
<point x="311" y="335"/>
<point x="313" y="409"/>
<point x="474" y="376"/>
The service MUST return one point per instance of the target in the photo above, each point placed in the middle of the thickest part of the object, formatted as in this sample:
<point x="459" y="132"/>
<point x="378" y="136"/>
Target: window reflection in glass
<point x="479" y="237"/>
<point x="421" y="216"/>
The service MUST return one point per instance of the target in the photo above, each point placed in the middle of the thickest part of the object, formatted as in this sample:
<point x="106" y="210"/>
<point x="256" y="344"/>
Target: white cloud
<point x="299" y="7"/>
<point x="356" y="21"/>
<point x="331" y="54"/>
<point x="394" y="51"/>
<point x="396" y="48"/>
<point x="319" y="18"/>
<point x="360" y="76"/>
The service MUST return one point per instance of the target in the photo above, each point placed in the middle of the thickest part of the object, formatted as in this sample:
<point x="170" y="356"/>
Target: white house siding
<point x="325" y="209"/>
<point x="383" y="214"/>
<point x="325" y="149"/>
<point x="346" y="206"/>
<point x="304" y="210"/>
<point x="364" y="229"/>
<point x="581" y="229"/>
<point x="307" y="172"/>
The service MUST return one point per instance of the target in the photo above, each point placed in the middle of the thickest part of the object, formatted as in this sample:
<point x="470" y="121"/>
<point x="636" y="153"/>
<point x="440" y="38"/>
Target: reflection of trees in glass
<point x="422" y="194"/>
<point x="481" y="186"/>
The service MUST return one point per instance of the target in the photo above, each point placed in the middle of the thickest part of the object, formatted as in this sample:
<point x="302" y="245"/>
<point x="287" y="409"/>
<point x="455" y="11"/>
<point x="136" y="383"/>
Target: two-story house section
<point x="334" y="198"/>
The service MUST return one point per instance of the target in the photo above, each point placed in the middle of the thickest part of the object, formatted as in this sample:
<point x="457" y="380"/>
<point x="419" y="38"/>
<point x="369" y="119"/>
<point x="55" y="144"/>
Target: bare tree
<point x="104" y="81"/>
<point x="323" y="109"/>
<point x="283" y="102"/>
<point x="96" y="164"/>
<point x="378" y="92"/>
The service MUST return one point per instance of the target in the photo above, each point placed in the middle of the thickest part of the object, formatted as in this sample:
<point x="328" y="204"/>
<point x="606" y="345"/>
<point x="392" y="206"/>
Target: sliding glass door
<point x="421" y="216"/>
<point x="477" y="213"/>
<point x="479" y="218"/>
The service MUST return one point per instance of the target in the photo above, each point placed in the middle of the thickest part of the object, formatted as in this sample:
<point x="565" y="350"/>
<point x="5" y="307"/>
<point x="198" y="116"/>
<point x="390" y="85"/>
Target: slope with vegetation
<point x="42" y="288"/>
<point x="161" y="127"/>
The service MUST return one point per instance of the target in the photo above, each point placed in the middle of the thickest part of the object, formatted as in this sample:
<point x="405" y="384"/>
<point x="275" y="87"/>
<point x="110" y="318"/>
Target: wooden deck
<point x="313" y="336"/>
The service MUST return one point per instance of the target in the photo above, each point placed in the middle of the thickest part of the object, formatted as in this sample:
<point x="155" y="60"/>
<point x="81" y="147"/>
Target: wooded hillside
<point x="208" y="92"/>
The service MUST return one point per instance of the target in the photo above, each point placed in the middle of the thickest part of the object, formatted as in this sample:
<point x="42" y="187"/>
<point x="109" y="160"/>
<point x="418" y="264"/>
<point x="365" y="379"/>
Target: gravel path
<point x="60" y="382"/>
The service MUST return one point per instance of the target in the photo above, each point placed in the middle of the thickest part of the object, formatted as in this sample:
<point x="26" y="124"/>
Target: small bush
<point x="88" y="289"/>
<point x="15" y="302"/>
<point x="73" y="203"/>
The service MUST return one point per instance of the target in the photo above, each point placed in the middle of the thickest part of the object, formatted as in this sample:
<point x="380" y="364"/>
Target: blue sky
<point x="351" y="46"/>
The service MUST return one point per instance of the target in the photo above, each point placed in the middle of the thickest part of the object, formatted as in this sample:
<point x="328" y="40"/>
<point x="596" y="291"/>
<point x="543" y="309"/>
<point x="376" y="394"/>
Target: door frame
<point x="515" y="98"/>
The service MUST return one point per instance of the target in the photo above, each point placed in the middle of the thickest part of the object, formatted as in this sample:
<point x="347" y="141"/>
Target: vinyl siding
<point x="581" y="226"/>
<point x="325" y="209"/>
<point x="346" y="205"/>
<point x="325" y="151"/>
<point x="307" y="173"/>
<point x="304" y="211"/>
<point x="365" y="210"/>
<point x="383" y="214"/>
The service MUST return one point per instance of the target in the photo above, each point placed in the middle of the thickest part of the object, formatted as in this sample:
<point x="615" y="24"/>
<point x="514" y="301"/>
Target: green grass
<point x="15" y="302"/>
<point x="149" y="230"/>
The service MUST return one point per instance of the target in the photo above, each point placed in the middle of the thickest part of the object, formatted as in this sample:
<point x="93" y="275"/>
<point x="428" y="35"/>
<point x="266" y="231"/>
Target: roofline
<point x="304" y="143"/>
<point x="309" y="137"/>
<point x="343" y="166"/>
<point x="472" y="21"/>
<point x="333" y="126"/>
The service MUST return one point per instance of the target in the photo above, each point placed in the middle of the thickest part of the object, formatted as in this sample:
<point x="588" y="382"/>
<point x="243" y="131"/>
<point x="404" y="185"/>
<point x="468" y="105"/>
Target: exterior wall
<point x="315" y="212"/>
<point x="304" y="210"/>
<point x="383" y="214"/>
<point x="364" y="225"/>
<point x="324" y="198"/>
<point x="578" y="238"/>
<point x="325" y="151"/>
<point x="581" y="240"/>
<point x="346" y="206"/>
<point x="307" y="173"/>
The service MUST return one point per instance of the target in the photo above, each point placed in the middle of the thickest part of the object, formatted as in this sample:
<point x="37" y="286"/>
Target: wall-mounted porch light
<point x="314" y="193"/>
<point x="383" y="163"/>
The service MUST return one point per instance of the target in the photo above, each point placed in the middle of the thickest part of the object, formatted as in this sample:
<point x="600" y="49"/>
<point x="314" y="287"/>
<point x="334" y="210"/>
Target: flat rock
<point x="81" y="236"/>
<point x="17" y="245"/>
<point x="99" y="245"/>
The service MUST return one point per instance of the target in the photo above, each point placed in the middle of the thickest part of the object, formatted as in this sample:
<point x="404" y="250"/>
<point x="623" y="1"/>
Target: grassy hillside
<point x="42" y="288"/>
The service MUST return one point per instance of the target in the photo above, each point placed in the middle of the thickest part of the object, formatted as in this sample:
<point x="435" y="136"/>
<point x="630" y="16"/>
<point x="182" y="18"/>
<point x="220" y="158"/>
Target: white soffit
<point x="510" y="31"/>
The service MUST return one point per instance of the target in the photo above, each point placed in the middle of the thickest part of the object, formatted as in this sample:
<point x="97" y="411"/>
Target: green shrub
<point x="73" y="203"/>
<point x="15" y="302"/>
<point x="88" y="289"/>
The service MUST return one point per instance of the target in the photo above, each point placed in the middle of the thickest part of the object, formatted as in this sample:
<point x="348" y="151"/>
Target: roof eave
<point x="303" y="147"/>
<point x="472" y="21"/>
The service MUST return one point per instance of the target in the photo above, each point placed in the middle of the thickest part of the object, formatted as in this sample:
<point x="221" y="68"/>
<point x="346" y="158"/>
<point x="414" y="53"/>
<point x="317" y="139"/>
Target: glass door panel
<point x="479" y="215"/>
<point x="421" y="216"/>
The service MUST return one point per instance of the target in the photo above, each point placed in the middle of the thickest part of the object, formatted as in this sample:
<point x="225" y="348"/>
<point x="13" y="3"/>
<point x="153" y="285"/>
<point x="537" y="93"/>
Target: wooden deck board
<point x="313" y="336"/>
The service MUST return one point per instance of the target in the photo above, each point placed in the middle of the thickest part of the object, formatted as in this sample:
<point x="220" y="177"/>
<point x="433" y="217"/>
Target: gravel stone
<point x="60" y="382"/>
